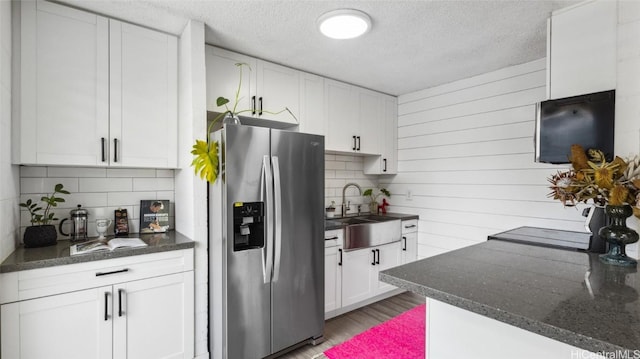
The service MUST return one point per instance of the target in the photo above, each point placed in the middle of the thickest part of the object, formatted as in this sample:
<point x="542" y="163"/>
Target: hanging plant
<point x="205" y="162"/>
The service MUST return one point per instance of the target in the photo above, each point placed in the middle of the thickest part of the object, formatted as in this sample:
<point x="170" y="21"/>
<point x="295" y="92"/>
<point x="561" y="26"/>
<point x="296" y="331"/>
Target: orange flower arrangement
<point x="593" y="178"/>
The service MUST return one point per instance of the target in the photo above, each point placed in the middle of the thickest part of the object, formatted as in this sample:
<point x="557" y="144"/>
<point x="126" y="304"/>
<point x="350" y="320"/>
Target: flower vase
<point x="618" y="235"/>
<point x="373" y="207"/>
<point x="230" y="119"/>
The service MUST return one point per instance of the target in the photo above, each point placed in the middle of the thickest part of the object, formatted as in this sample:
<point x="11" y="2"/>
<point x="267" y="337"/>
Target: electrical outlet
<point x="409" y="195"/>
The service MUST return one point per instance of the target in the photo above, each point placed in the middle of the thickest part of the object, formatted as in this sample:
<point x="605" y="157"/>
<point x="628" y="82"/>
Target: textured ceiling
<point x="413" y="44"/>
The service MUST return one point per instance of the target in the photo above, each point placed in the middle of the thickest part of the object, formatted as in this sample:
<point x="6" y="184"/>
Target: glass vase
<point x="230" y="119"/>
<point x="618" y="235"/>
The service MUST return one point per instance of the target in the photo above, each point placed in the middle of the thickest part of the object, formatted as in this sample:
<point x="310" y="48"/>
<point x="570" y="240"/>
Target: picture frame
<point x="154" y="216"/>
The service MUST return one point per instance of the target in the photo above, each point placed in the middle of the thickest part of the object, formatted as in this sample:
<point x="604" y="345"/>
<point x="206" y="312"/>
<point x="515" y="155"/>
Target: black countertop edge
<point x="330" y="223"/>
<point x="33" y="258"/>
<point x="531" y="325"/>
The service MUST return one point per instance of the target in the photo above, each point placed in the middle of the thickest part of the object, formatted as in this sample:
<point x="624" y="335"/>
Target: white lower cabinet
<point x="140" y="318"/>
<point x="409" y="241"/>
<point x="360" y="270"/>
<point x="333" y="270"/>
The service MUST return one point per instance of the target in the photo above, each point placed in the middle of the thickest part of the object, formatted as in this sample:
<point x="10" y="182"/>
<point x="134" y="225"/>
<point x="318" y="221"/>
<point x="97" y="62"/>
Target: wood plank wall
<point x="466" y="154"/>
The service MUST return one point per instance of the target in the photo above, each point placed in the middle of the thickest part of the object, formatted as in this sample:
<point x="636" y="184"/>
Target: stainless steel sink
<point x="370" y="230"/>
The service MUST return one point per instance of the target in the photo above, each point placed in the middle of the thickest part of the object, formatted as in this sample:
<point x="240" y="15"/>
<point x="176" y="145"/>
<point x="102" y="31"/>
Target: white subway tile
<point x="31" y="171"/>
<point x="153" y="184"/>
<point x="76" y="172"/>
<point x="345" y="174"/>
<point x="106" y="184"/>
<point x="115" y="199"/>
<point x="168" y="195"/>
<point x="334" y="165"/>
<point x="165" y="173"/>
<point x="131" y="172"/>
<point x="87" y="199"/>
<point x="46" y="185"/>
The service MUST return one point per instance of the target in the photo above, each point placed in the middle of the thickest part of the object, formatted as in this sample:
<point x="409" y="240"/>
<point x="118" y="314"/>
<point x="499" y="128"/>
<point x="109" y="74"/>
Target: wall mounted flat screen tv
<point x="587" y="120"/>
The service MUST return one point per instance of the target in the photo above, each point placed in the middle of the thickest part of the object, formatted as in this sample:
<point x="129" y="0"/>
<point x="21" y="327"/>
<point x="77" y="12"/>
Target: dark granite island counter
<point x="502" y="299"/>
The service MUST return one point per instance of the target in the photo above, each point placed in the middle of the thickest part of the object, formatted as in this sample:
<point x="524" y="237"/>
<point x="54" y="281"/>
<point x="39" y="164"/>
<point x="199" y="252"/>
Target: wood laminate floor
<point x="344" y="327"/>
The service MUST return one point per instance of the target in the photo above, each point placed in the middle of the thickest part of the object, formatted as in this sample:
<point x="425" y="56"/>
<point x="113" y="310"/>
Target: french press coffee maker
<point x="79" y="224"/>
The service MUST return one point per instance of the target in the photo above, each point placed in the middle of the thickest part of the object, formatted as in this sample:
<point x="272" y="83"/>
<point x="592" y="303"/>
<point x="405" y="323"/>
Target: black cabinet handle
<point x="253" y="105"/>
<point x="106" y="306"/>
<point x="115" y="150"/>
<point x="102" y="145"/>
<point x="340" y="253"/>
<point x="99" y="274"/>
<point x="378" y="260"/>
<point x="120" y="301"/>
<point x="374" y="257"/>
<point x="260" y="101"/>
<point x="384" y="163"/>
<point x="328" y="239"/>
<point x="358" y="137"/>
<point x="354" y="143"/>
<point x="410" y="226"/>
<point x="404" y="248"/>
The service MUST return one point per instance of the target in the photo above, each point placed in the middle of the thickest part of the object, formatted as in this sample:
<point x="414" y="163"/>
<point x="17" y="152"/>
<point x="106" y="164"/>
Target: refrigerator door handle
<point x="277" y="205"/>
<point x="266" y="179"/>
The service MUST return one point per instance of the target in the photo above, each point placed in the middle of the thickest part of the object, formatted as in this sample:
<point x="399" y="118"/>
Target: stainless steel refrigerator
<point x="266" y="242"/>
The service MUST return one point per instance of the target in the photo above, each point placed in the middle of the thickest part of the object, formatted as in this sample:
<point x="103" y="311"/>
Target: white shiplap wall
<point x="465" y="153"/>
<point x="9" y="185"/>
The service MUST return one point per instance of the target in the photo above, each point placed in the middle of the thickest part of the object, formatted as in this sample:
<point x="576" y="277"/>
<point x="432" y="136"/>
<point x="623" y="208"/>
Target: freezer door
<point x="248" y="300"/>
<point x="298" y="268"/>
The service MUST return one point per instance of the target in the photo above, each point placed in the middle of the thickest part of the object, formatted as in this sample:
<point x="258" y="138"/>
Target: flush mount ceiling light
<point x="344" y="24"/>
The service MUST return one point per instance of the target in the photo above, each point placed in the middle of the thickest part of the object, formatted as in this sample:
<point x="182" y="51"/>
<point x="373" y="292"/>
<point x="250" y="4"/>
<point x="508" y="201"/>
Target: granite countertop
<point x="32" y="258"/>
<point x="331" y="223"/>
<point x="569" y="296"/>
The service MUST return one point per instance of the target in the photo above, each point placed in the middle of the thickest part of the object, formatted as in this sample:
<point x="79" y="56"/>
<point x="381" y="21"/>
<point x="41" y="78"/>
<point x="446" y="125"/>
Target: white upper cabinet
<point x="312" y="117"/>
<point x="341" y="112"/>
<point x="62" y="110"/>
<point x="582" y="49"/>
<point x="143" y="107"/>
<point x="386" y="162"/>
<point x="266" y="88"/>
<point x="86" y="83"/>
<point x="354" y="118"/>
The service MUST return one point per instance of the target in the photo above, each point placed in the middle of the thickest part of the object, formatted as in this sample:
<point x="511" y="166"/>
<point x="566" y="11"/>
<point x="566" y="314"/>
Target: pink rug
<point x="401" y="337"/>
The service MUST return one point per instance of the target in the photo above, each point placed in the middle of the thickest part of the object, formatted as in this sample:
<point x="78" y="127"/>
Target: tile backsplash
<point x="342" y="169"/>
<point x="98" y="190"/>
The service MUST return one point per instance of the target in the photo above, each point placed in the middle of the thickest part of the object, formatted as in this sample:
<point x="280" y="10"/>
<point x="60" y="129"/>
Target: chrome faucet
<point x="346" y="205"/>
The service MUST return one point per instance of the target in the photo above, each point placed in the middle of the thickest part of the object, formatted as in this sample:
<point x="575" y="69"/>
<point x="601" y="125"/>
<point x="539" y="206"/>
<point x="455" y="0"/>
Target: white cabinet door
<point x="64" y="86"/>
<point x="388" y="257"/>
<point x="358" y="267"/>
<point x="223" y="79"/>
<point x="409" y="247"/>
<point x="153" y="318"/>
<point x="312" y="118"/>
<point x="332" y="278"/>
<point x="144" y="97"/>
<point x="370" y="120"/>
<point x="341" y="111"/>
<point x="74" y="325"/>
<point x="386" y="162"/>
<point x="277" y="88"/>
<point x="583" y="42"/>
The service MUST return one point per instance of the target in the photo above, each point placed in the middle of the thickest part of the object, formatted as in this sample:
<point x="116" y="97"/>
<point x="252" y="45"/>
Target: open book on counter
<point x="103" y="244"/>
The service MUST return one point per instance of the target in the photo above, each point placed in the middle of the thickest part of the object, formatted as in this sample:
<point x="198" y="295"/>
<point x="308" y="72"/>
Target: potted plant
<point x="373" y="198"/>
<point x="331" y="210"/>
<point x="42" y="233"/>
<point x="205" y="162"/>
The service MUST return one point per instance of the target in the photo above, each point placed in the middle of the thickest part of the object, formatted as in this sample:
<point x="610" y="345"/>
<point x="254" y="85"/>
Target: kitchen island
<point x="501" y="299"/>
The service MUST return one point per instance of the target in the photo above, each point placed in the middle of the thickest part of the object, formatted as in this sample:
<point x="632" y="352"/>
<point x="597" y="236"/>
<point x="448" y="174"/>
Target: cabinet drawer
<point x="409" y="226"/>
<point x="333" y="238"/>
<point x="41" y="282"/>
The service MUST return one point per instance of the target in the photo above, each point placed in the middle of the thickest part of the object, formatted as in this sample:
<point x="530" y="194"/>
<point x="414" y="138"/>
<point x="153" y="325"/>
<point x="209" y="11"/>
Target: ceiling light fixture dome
<point x="344" y="24"/>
